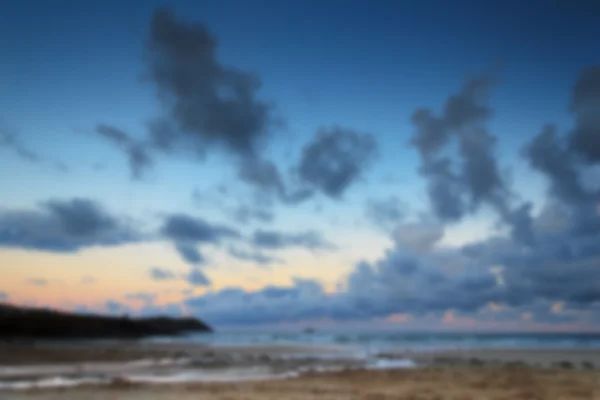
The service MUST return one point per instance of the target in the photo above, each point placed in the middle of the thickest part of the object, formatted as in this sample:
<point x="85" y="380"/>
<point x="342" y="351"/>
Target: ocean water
<point x="382" y="341"/>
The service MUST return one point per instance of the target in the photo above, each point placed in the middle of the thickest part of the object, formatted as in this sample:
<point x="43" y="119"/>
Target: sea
<point x="382" y="341"/>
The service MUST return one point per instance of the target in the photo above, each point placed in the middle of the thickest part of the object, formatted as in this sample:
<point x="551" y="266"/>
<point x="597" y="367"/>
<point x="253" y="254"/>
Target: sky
<point x="391" y="165"/>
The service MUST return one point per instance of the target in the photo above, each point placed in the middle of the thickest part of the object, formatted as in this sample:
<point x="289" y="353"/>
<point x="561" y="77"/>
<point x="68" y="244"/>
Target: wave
<point x="180" y="373"/>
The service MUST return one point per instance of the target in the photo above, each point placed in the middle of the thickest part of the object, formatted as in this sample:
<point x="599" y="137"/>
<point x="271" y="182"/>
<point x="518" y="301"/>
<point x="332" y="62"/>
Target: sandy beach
<point x="456" y="383"/>
<point x="465" y="374"/>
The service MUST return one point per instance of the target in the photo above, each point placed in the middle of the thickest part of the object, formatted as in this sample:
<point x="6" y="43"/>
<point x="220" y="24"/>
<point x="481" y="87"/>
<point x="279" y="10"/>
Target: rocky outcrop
<point x="36" y="323"/>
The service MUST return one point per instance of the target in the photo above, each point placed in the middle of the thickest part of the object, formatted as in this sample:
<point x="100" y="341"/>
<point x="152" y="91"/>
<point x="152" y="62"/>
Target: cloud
<point x="254" y="257"/>
<point x="87" y="280"/>
<point x="197" y="278"/>
<point x="147" y="298"/>
<point x="265" y="176"/>
<point x="64" y="226"/>
<point x="206" y="103"/>
<point x="245" y="214"/>
<point x="235" y="306"/>
<point x="548" y="154"/>
<point x="185" y="228"/>
<point x="545" y="271"/>
<point x="137" y="152"/>
<point x="190" y="253"/>
<point x="160" y="274"/>
<point x="3" y="296"/>
<point x="335" y="159"/>
<point x="12" y="141"/>
<point x="418" y="236"/>
<point x="585" y="105"/>
<point x="460" y="183"/>
<point x="188" y="232"/>
<point x="420" y="285"/>
<point x="269" y="239"/>
<point x="37" y="282"/>
<point x="9" y="139"/>
<point x="385" y="213"/>
<point x="458" y="187"/>
<point x="262" y="174"/>
<point x="574" y="203"/>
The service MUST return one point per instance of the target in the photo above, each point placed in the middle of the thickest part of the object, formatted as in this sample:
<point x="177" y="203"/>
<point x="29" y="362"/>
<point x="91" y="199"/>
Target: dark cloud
<point x="385" y="213"/>
<point x="459" y="186"/>
<point x="469" y="106"/>
<point x="521" y="224"/>
<point x="161" y="274"/>
<point x="185" y="228"/>
<point x="444" y="189"/>
<point x="585" y="104"/>
<point x="206" y="103"/>
<point x="262" y="174"/>
<point x="548" y="154"/>
<point x="279" y="240"/>
<point x="190" y="253"/>
<point x="479" y="169"/>
<point x="417" y="236"/>
<point x="335" y="159"/>
<point x="253" y="256"/>
<point x="431" y="135"/>
<point x="138" y="154"/>
<point x="403" y="283"/>
<point x="188" y="232"/>
<point x="197" y="278"/>
<point x="37" y="282"/>
<point x="556" y="157"/>
<point x="265" y="176"/>
<point x="64" y="226"/>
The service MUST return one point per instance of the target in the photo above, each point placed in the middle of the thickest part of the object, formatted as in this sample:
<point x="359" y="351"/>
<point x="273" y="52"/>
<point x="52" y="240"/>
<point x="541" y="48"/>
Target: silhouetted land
<point x="36" y="323"/>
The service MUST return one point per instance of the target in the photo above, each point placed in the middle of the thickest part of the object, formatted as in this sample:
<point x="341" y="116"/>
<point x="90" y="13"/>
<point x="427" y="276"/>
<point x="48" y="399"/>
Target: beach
<point x="136" y="371"/>
<point x="455" y="383"/>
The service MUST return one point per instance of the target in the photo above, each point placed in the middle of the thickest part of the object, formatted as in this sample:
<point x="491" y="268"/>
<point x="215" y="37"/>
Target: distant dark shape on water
<point x="36" y="323"/>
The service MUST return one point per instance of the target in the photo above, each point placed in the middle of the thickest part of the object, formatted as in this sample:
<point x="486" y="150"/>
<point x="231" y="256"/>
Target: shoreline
<point x="46" y="367"/>
<point x="452" y="383"/>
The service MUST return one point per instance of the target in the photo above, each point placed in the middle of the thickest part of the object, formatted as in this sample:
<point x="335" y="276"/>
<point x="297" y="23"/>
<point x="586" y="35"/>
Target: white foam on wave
<point x="229" y="375"/>
<point x="51" y="383"/>
<point x="383" y="363"/>
<point x="184" y="376"/>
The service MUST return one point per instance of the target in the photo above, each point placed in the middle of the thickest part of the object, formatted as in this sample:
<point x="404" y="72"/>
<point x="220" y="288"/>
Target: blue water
<point x="407" y="341"/>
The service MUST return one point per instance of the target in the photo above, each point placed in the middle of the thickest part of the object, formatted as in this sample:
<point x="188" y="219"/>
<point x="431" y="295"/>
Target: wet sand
<point x="542" y="358"/>
<point x="456" y="383"/>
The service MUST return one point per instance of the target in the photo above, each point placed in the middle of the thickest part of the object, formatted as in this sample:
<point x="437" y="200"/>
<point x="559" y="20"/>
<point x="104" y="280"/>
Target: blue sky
<point x="354" y="72"/>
